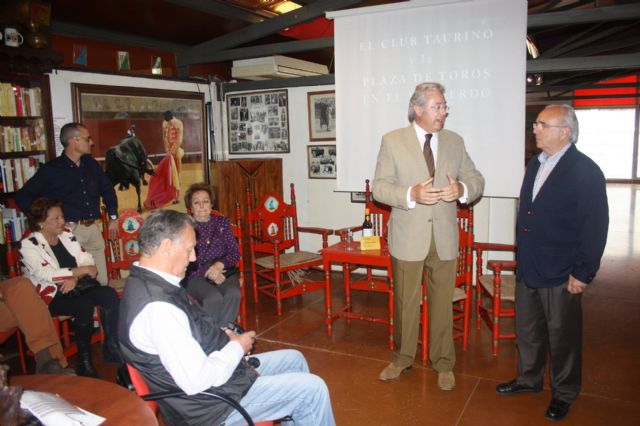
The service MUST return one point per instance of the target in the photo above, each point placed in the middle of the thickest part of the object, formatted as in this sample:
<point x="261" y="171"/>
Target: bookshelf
<point x="26" y="130"/>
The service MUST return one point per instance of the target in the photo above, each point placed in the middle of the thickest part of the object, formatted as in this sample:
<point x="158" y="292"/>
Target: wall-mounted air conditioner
<point x="275" y="67"/>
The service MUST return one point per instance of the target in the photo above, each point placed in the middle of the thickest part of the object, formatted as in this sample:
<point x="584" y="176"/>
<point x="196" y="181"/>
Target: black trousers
<point x="81" y="309"/>
<point x="549" y="320"/>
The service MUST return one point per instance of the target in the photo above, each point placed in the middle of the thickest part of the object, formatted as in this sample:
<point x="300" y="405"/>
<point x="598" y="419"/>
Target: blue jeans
<point x="286" y="388"/>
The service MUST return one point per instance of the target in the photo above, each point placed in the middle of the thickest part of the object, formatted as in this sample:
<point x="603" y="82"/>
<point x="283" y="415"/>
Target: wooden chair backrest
<point x="123" y="251"/>
<point x="464" y="272"/>
<point x="378" y="212"/>
<point x="273" y="220"/>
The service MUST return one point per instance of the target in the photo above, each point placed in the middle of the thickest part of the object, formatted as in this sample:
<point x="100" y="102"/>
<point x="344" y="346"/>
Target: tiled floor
<point x="352" y="358"/>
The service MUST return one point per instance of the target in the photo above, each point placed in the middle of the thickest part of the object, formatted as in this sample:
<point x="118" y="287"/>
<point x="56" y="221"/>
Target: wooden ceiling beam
<point x="201" y="52"/>
<point x="584" y="16"/>
<point x="219" y="8"/>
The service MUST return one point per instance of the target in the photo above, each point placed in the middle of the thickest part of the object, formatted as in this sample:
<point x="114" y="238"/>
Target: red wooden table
<point x="351" y="257"/>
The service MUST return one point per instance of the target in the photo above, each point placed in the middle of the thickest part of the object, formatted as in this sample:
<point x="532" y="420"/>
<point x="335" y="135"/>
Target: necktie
<point x="428" y="154"/>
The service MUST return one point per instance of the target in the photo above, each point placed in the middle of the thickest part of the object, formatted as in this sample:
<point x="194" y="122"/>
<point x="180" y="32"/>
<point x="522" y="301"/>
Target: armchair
<point x="277" y="263"/>
<point x="495" y="292"/>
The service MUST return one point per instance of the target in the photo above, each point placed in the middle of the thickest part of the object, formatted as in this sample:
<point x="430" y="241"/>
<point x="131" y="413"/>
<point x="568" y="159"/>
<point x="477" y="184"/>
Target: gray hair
<point x="160" y="225"/>
<point x="570" y="120"/>
<point x="417" y="99"/>
<point x="69" y="131"/>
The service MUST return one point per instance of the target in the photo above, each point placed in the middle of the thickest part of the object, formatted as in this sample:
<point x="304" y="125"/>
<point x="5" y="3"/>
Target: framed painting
<point x="358" y="197"/>
<point x="169" y="125"/>
<point x="322" y="161"/>
<point x="258" y="122"/>
<point x="123" y="61"/>
<point x="322" y="115"/>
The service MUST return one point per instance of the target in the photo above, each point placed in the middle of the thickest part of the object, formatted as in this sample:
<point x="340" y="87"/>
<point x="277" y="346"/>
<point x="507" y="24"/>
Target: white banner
<point x="476" y="49"/>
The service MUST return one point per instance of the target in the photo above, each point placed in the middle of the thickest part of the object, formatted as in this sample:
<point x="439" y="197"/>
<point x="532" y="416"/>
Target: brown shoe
<point x="446" y="380"/>
<point x="392" y="372"/>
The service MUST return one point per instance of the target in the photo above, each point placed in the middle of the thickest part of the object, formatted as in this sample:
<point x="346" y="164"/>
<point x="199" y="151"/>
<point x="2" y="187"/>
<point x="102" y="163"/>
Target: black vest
<point x="144" y="287"/>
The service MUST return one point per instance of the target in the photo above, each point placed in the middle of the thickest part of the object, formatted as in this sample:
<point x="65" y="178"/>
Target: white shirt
<point x="163" y="329"/>
<point x="547" y="164"/>
<point x="421" y="134"/>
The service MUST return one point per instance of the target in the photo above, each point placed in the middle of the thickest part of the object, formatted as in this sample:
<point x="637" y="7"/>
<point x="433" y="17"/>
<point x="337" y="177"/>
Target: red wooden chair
<point x="143" y="392"/>
<point x="123" y="251"/>
<point x="495" y="292"/>
<point x="277" y="263"/>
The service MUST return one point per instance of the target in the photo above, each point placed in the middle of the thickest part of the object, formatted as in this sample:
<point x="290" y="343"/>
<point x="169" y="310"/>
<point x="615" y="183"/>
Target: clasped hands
<point x="70" y="283"/>
<point x="215" y="273"/>
<point x="426" y="193"/>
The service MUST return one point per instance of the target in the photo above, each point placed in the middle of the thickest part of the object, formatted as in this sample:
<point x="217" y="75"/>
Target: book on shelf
<point x="13" y="221"/>
<point x="17" y="171"/>
<point x="28" y="137"/>
<point x="20" y="101"/>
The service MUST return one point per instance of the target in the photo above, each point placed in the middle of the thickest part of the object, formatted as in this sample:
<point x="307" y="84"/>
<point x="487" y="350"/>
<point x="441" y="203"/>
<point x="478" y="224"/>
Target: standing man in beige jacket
<point x="422" y="170"/>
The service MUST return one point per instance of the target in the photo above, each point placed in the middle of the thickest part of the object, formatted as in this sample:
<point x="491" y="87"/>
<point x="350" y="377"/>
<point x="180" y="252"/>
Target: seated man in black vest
<point x="174" y="344"/>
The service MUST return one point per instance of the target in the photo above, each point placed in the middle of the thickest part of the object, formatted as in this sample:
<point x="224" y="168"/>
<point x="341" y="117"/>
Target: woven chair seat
<point x="508" y="286"/>
<point x="289" y="260"/>
<point x="459" y="294"/>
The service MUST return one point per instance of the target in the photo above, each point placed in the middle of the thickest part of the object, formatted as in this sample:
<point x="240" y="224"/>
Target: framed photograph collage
<point x="258" y="123"/>
<point x="322" y="128"/>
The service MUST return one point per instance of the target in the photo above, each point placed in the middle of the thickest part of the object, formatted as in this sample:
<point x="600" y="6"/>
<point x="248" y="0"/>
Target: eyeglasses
<point x="84" y="138"/>
<point x="543" y="125"/>
<point x="438" y="107"/>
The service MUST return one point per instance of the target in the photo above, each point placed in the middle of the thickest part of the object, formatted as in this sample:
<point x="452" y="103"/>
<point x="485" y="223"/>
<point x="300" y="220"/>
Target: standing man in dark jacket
<point x="562" y="227"/>
<point x="76" y="179"/>
<point x="175" y="344"/>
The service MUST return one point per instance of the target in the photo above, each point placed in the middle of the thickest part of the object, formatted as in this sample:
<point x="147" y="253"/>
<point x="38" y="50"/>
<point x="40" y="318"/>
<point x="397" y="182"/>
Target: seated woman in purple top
<point x="217" y="253"/>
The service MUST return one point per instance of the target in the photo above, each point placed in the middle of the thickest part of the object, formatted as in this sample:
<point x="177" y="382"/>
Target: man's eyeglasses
<point x="438" y="107"/>
<point x="543" y="125"/>
<point x="84" y="138"/>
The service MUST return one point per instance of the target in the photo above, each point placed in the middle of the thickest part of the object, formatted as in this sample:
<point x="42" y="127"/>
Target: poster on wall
<point x="156" y="135"/>
<point x="258" y="122"/>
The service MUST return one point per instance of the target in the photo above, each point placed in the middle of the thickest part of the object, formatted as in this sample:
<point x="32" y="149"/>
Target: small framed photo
<point x="156" y="65"/>
<point x="322" y="115"/>
<point x="358" y="197"/>
<point x="123" y="61"/>
<point x="322" y="161"/>
<point x="80" y="54"/>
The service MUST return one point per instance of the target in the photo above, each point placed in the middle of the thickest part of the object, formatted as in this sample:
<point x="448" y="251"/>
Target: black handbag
<point x="84" y="285"/>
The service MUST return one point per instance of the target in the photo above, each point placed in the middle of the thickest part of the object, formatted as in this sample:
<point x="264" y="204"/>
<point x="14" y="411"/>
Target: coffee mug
<point x="12" y="37"/>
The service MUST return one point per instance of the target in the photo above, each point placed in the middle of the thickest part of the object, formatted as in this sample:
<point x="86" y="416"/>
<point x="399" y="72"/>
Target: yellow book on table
<point x="370" y="243"/>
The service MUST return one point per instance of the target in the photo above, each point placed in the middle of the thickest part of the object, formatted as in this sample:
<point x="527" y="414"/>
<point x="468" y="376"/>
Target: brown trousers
<point x="407" y="291"/>
<point x="22" y="307"/>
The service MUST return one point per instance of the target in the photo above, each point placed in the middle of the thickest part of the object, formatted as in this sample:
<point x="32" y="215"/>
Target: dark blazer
<point x="564" y="231"/>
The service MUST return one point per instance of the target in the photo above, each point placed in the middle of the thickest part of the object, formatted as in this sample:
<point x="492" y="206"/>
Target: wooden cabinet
<point x="231" y="178"/>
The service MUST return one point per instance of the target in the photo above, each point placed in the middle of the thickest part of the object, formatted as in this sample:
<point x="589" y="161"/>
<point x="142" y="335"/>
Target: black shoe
<point x="111" y="353"/>
<point x="84" y="367"/>
<point x="557" y="410"/>
<point x="514" y="387"/>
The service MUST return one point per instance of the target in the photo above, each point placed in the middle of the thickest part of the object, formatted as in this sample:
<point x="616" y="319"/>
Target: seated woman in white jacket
<point x="55" y="262"/>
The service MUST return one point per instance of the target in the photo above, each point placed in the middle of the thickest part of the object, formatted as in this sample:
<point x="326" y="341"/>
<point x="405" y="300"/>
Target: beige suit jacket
<point x="401" y="165"/>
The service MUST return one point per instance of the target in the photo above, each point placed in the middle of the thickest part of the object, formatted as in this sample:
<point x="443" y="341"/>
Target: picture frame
<point x="80" y="54"/>
<point x="123" y="61"/>
<point x="322" y="115"/>
<point x="322" y="161"/>
<point x="359" y="197"/>
<point x="258" y="122"/>
<point x="113" y="113"/>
